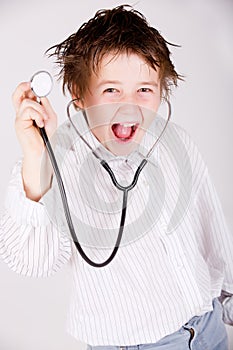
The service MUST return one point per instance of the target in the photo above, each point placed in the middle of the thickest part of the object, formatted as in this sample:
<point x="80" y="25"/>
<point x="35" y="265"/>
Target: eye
<point x="145" y="89"/>
<point x="111" y="90"/>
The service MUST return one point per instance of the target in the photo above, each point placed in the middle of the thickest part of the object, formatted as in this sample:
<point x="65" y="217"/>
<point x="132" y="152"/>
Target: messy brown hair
<point x="118" y="30"/>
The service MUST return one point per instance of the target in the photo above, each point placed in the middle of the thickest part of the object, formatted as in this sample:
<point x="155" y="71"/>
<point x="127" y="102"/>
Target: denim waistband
<point x="199" y="333"/>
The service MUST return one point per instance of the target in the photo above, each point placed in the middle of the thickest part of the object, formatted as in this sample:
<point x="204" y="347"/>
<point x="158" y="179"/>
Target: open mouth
<point x="124" y="132"/>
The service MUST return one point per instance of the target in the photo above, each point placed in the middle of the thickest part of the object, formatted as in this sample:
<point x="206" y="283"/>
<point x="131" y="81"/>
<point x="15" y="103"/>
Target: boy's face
<point x="121" y="101"/>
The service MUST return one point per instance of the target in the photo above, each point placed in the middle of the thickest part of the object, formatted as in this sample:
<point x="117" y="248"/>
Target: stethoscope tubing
<point x="67" y="210"/>
<point x="124" y="189"/>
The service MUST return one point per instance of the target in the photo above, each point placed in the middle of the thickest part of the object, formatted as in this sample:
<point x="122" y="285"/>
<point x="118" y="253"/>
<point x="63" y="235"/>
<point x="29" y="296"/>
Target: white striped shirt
<point x="176" y="253"/>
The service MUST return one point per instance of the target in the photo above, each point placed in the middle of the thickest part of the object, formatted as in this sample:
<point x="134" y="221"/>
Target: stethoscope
<point x="41" y="85"/>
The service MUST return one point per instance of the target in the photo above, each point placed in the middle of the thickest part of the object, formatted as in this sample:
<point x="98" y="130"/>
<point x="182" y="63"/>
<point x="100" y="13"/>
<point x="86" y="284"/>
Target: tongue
<point x="121" y="131"/>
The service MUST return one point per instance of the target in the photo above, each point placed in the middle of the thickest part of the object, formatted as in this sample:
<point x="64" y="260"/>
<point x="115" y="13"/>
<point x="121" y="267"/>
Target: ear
<point x="77" y="101"/>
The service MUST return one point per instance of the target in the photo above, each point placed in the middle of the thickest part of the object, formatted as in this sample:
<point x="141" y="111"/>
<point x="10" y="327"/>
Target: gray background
<point x="33" y="311"/>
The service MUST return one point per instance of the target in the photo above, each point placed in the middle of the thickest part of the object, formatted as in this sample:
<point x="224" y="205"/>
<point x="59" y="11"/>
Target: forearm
<point x="37" y="176"/>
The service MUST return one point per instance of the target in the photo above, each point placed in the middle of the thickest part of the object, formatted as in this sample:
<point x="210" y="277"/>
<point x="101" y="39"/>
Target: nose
<point x="129" y="97"/>
<point x="128" y="112"/>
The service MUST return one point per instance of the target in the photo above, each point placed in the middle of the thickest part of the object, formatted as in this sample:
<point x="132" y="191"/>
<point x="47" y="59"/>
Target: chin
<point x="121" y="148"/>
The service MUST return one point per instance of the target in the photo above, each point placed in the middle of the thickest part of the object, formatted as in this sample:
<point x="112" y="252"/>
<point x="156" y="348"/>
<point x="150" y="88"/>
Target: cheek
<point x="102" y="133"/>
<point x="151" y="102"/>
<point x="90" y="100"/>
<point x="99" y="116"/>
<point x="157" y="100"/>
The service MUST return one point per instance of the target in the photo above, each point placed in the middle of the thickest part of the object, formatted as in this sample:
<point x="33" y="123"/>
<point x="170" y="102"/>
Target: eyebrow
<point x="150" y="82"/>
<point x="106" y="82"/>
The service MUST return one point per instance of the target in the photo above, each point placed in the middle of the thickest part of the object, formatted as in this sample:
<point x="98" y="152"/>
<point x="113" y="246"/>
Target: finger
<point x="30" y="104"/>
<point x="22" y="91"/>
<point x="26" y="118"/>
<point x="46" y="104"/>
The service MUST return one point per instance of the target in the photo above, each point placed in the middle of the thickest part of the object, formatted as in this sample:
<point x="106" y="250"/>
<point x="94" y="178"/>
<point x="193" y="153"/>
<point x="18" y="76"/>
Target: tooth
<point x="127" y="125"/>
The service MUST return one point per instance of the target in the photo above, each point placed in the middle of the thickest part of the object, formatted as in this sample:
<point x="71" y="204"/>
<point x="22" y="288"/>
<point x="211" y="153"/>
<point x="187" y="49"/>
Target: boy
<point x="161" y="289"/>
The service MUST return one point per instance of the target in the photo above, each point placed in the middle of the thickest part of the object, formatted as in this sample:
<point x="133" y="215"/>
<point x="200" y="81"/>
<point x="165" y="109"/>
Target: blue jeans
<point x="206" y="332"/>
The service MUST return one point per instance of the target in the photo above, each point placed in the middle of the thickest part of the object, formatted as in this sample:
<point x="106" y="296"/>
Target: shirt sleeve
<point x="30" y="243"/>
<point x="215" y="240"/>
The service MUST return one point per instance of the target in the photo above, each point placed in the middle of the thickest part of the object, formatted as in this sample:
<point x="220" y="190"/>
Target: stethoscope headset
<point x="41" y="85"/>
